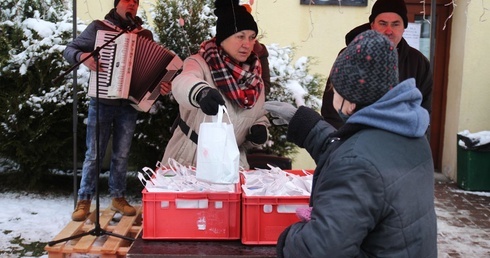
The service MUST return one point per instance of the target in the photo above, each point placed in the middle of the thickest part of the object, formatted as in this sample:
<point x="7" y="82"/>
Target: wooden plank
<point x="85" y="243"/>
<point x="122" y="228"/>
<point x="104" y="246"/>
<point x="56" y="255"/>
<point x="71" y="229"/>
<point x="122" y="251"/>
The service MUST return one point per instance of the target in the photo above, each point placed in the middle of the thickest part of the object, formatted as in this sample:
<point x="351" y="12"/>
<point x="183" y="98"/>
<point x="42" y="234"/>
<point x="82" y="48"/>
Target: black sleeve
<point x="302" y="122"/>
<point x="280" y="243"/>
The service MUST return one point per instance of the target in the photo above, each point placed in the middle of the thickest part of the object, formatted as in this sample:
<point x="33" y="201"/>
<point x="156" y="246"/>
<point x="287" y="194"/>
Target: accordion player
<point x="133" y="68"/>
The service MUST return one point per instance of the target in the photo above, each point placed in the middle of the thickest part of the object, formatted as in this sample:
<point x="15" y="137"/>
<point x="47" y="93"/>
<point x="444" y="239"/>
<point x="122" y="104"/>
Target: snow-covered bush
<point x="35" y="114"/>
<point x="293" y="83"/>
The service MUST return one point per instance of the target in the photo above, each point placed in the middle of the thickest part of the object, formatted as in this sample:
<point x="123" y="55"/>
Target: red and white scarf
<point x="241" y="83"/>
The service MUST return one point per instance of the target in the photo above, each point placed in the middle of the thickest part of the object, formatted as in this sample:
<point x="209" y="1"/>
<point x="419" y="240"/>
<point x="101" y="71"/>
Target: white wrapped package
<point x="276" y="182"/>
<point x="177" y="178"/>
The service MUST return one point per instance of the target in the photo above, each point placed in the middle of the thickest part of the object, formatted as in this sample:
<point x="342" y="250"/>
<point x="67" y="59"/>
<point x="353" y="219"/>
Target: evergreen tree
<point x="179" y="26"/>
<point x="35" y="115"/>
<point x="293" y="84"/>
<point x="182" y="25"/>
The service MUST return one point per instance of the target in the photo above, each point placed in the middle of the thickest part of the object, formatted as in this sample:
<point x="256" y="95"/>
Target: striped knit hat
<point x="366" y="69"/>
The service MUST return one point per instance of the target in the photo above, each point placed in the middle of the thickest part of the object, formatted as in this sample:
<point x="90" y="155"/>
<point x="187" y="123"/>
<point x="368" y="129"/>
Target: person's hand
<point x="165" y="88"/>
<point x="282" y="110"/>
<point x="209" y="99"/>
<point x="90" y="62"/>
<point x="257" y="134"/>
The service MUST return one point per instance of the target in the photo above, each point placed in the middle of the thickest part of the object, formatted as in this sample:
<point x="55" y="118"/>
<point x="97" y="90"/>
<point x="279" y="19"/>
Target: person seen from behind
<point x="373" y="187"/>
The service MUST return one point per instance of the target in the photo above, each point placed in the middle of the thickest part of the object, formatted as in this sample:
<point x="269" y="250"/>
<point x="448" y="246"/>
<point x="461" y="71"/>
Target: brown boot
<point x="121" y="205"/>
<point x="81" y="211"/>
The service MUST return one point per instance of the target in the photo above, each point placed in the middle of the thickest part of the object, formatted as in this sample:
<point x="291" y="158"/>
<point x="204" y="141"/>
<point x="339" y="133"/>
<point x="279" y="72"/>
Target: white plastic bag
<point x="218" y="157"/>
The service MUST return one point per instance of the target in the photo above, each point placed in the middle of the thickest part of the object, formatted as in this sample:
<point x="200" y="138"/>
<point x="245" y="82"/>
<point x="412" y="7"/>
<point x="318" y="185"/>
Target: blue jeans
<point x="120" y="121"/>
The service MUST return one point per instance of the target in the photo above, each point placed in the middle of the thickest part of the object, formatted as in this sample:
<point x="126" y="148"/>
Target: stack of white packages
<point x="276" y="182"/>
<point x="177" y="178"/>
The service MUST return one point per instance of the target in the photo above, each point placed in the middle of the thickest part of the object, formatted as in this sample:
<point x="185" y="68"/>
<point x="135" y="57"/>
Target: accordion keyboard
<point x="106" y="62"/>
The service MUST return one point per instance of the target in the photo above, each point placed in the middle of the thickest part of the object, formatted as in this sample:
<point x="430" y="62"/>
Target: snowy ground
<point x="33" y="218"/>
<point x="37" y="218"/>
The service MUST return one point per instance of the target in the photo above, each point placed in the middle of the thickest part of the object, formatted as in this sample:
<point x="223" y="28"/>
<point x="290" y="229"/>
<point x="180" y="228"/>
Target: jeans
<point x="120" y="121"/>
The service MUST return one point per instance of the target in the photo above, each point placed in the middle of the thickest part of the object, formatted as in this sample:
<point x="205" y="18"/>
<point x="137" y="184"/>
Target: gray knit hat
<point x="366" y="69"/>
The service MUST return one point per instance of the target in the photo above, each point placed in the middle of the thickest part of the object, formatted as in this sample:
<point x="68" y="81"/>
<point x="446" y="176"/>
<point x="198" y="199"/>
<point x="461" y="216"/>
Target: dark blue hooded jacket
<point x="373" y="188"/>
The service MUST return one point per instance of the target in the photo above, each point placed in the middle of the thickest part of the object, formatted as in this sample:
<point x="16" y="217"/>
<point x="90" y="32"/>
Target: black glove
<point x="257" y="134"/>
<point x="281" y="241"/>
<point x="209" y="99"/>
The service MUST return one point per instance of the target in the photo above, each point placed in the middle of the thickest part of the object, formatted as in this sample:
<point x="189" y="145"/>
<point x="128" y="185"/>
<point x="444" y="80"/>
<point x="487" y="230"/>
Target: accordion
<point x="133" y="67"/>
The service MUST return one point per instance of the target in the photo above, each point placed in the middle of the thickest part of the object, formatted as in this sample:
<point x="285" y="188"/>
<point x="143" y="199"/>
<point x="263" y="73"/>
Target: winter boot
<point x="121" y="205"/>
<point x="81" y="211"/>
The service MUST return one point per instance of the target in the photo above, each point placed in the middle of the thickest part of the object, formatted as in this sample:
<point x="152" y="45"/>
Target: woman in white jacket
<point x="225" y="71"/>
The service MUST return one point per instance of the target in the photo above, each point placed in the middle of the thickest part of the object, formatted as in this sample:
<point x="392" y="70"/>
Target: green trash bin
<point x="473" y="165"/>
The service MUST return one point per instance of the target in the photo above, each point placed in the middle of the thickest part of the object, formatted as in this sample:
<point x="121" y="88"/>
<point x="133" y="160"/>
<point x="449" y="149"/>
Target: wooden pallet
<point x="105" y="246"/>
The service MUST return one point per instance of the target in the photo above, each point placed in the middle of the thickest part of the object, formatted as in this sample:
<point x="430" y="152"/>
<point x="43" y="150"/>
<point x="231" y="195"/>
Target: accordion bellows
<point x="132" y="68"/>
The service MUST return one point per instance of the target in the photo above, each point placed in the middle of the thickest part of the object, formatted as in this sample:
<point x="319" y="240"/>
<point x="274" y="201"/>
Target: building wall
<point x="468" y="91"/>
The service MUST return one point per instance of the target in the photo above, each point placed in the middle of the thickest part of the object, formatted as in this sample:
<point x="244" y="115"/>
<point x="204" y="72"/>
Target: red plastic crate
<point x="191" y="215"/>
<point x="264" y="218"/>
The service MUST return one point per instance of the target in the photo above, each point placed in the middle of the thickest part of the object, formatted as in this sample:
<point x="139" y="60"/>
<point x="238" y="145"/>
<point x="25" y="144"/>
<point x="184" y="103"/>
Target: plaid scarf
<point x="241" y="83"/>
